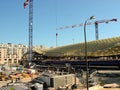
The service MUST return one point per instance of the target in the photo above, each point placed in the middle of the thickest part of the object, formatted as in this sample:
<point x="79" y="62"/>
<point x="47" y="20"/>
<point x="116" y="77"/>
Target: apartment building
<point x="11" y="54"/>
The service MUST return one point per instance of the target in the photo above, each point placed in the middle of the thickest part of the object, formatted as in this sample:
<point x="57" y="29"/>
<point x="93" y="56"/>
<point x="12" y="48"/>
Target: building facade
<point x="11" y="54"/>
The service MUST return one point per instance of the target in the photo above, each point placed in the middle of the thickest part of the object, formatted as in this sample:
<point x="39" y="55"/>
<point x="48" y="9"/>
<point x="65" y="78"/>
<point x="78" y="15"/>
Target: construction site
<point x="88" y="65"/>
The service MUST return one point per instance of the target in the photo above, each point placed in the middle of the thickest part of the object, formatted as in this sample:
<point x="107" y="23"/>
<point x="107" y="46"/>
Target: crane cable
<point x="56" y="6"/>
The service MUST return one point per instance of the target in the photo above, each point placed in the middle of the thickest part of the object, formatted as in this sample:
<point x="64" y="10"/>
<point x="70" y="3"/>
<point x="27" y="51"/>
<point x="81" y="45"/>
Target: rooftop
<point x="103" y="47"/>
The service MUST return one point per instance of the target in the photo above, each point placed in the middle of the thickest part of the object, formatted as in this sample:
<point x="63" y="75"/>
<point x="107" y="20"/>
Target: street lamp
<point x="87" y="73"/>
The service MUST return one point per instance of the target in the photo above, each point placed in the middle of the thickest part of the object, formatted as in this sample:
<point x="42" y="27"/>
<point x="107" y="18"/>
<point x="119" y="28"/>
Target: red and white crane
<point x="89" y="23"/>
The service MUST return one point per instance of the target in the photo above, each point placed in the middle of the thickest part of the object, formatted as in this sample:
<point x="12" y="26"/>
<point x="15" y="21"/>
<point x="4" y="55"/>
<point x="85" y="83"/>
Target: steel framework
<point x="30" y="29"/>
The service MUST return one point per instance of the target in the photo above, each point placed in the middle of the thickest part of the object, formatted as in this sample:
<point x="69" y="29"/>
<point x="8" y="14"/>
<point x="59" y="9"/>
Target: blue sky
<point x="50" y="14"/>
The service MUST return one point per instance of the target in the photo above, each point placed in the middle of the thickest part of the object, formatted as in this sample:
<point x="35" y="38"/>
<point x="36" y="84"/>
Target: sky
<point x="51" y="14"/>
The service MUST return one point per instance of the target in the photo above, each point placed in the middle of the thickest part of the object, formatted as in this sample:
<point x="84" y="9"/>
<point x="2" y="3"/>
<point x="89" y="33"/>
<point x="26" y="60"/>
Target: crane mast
<point x="30" y="29"/>
<point x="96" y="31"/>
<point x="101" y="21"/>
<point x="30" y="2"/>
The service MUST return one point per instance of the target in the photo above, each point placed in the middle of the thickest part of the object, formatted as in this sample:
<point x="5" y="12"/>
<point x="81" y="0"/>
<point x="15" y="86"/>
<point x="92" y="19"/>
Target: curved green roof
<point x="103" y="47"/>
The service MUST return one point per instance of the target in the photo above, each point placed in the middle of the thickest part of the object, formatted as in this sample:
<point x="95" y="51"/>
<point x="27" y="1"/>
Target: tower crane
<point x="90" y="23"/>
<point x="30" y="2"/>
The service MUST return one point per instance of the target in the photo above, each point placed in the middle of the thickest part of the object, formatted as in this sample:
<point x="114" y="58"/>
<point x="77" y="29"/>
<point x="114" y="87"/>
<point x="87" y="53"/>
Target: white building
<point x="11" y="53"/>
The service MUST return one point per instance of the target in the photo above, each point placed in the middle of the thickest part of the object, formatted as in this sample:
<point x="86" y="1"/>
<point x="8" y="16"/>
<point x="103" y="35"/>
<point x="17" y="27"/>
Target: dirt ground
<point x="109" y="89"/>
<point x="111" y="83"/>
<point x="24" y="80"/>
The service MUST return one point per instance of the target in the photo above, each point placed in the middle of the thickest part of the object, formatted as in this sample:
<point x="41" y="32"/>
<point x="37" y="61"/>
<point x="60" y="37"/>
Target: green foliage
<point x="12" y="88"/>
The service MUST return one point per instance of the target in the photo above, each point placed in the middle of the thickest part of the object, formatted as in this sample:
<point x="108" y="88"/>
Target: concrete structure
<point x="11" y="53"/>
<point x="56" y="81"/>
